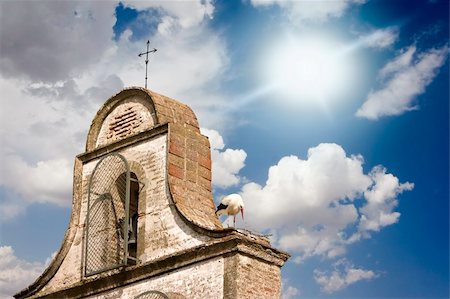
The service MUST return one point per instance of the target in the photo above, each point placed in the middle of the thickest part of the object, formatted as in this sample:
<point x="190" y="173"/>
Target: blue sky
<point x="330" y="118"/>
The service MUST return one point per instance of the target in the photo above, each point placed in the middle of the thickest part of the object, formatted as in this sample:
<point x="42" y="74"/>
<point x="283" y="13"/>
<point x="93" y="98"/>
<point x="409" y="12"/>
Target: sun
<point x="309" y="69"/>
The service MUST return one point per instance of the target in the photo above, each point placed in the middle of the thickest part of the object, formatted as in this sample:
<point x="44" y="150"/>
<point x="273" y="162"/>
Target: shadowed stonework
<point x="157" y="214"/>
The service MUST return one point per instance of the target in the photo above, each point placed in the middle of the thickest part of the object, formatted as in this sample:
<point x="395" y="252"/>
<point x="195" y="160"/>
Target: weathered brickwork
<point x="127" y="119"/>
<point x="182" y="249"/>
<point x="189" y="155"/>
<point x="257" y="279"/>
<point x="161" y="231"/>
<point x="200" y="281"/>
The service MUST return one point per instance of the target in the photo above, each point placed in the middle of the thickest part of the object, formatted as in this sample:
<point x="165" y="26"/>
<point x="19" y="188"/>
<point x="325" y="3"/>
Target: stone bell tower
<point x="143" y="222"/>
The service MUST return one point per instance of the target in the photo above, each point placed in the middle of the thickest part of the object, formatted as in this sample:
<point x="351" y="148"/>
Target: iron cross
<point x="146" y="60"/>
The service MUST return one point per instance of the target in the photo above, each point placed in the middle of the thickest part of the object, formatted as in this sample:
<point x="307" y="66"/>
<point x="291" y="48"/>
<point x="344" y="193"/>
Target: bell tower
<point x="143" y="221"/>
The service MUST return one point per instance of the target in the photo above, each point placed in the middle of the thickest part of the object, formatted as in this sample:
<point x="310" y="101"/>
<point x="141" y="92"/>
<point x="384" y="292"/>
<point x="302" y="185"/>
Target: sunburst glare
<point x="310" y="69"/>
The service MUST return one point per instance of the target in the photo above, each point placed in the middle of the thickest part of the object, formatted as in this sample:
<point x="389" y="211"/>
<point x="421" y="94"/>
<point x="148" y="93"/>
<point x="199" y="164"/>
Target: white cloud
<point x="309" y="204"/>
<point x="53" y="41"/>
<point x="193" y="56"/>
<point x="41" y="134"/>
<point x="310" y="11"/>
<point x="184" y="13"/>
<point x="15" y="274"/>
<point x="343" y="275"/>
<point x="47" y="181"/>
<point x="189" y="52"/>
<point x="381" y="200"/>
<point x="404" y="78"/>
<point x="10" y="208"/>
<point x="56" y="82"/>
<point x="400" y="63"/>
<point x="227" y="163"/>
<point x="380" y="38"/>
<point x="288" y="291"/>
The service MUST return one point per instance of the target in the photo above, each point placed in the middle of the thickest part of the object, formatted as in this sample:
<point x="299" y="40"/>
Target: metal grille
<point x="107" y="215"/>
<point x="152" y="295"/>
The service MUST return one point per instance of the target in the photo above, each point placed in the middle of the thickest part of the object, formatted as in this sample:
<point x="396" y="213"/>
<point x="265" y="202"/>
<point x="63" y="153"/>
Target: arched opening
<point x="107" y="215"/>
<point x="152" y="295"/>
<point x="112" y="216"/>
<point x="133" y="205"/>
<point x="133" y="212"/>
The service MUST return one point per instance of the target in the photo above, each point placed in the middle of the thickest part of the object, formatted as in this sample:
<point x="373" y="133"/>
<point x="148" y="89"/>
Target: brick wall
<point x="232" y="276"/>
<point x="199" y="281"/>
<point x="161" y="231"/>
<point x="256" y="279"/>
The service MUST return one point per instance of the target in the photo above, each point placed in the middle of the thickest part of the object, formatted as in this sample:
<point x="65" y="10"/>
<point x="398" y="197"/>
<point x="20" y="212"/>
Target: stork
<point x="231" y="205"/>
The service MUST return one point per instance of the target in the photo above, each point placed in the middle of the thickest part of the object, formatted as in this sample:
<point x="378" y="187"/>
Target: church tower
<point x="143" y="221"/>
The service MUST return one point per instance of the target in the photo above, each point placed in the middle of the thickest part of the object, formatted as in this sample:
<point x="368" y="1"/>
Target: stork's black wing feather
<point x="221" y="207"/>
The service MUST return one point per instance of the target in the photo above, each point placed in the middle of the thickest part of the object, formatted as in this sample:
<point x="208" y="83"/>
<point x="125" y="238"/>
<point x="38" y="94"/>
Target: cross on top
<point x="146" y="59"/>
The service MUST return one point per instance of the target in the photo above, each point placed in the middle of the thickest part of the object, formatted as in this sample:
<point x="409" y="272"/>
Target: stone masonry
<point x="182" y="250"/>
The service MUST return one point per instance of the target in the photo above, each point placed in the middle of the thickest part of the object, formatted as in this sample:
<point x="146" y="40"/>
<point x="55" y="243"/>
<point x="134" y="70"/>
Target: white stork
<point x="231" y="205"/>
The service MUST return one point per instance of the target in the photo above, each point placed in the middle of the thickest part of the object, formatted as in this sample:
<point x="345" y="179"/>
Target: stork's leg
<point x="234" y="221"/>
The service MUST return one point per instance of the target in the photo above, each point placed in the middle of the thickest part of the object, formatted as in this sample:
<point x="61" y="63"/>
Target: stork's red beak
<point x="242" y="213"/>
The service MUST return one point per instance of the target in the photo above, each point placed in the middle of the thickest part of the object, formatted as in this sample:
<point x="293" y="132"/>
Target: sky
<point x="330" y="118"/>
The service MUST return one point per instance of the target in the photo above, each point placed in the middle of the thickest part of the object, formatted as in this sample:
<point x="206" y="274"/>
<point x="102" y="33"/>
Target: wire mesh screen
<point x="107" y="216"/>
<point x="152" y="295"/>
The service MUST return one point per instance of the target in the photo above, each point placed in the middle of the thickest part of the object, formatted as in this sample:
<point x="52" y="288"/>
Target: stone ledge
<point x="225" y="247"/>
<point x="139" y="137"/>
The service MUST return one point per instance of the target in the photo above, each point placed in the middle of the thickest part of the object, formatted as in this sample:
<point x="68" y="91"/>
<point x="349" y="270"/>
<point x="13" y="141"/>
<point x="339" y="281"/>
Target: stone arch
<point x="144" y="118"/>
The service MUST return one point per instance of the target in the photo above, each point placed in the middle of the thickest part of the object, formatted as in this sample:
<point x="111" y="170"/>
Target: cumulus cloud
<point x="381" y="200"/>
<point x="343" y="275"/>
<point x="403" y="79"/>
<point x="309" y="205"/>
<point x="15" y="273"/>
<point x="227" y="163"/>
<point x="310" y="11"/>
